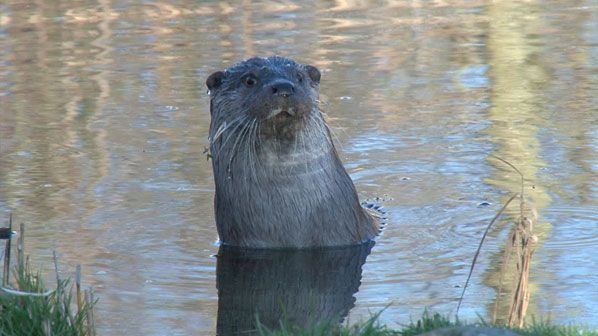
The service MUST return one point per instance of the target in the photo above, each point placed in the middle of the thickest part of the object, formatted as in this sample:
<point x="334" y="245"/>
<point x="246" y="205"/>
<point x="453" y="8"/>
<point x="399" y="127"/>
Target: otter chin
<point x="278" y="178"/>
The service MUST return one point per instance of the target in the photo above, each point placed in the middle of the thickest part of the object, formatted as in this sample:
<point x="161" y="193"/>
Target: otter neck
<point x="298" y="143"/>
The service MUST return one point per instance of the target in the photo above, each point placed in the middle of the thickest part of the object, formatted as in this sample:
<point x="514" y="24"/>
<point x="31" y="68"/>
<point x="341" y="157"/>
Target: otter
<point x="278" y="178"/>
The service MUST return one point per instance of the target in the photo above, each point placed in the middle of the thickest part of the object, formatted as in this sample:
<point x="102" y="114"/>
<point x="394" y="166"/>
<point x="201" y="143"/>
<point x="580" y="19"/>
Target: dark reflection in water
<point x="298" y="286"/>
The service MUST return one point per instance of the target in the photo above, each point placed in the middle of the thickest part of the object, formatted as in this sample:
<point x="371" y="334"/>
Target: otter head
<point x="275" y="91"/>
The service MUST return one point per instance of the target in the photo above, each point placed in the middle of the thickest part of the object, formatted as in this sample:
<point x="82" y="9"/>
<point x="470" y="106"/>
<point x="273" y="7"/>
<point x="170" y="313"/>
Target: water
<point x="104" y="119"/>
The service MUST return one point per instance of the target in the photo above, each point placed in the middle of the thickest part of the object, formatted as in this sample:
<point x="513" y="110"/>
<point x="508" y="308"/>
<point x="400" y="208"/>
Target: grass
<point x="546" y="329"/>
<point x="32" y="310"/>
<point x="28" y="308"/>
<point x="371" y="327"/>
<point x="428" y="322"/>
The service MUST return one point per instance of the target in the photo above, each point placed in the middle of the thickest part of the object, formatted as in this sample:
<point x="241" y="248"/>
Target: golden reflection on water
<point x="104" y="117"/>
<point x="520" y="81"/>
<point x="516" y="110"/>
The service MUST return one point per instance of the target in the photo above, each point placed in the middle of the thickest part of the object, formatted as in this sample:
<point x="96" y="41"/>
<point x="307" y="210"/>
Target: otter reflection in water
<point x="298" y="286"/>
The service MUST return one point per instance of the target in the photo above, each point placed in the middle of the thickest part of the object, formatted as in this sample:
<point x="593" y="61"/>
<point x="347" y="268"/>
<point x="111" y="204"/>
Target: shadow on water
<point x="298" y="286"/>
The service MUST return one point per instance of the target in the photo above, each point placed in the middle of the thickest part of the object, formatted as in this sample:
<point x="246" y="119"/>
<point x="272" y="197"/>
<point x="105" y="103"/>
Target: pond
<point x="104" y="120"/>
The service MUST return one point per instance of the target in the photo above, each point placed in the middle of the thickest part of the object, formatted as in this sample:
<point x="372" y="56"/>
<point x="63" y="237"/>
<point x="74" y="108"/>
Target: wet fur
<point x="279" y="181"/>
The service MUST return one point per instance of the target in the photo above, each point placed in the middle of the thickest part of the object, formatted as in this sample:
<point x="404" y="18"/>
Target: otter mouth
<point x="288" y="112"/>
<point x="282" y="112"/>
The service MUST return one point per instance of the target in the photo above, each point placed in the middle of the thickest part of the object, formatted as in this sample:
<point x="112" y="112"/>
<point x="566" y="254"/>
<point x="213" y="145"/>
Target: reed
<point x="519" y="249"/>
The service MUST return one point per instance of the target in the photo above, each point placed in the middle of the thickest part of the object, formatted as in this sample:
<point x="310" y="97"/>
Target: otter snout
<point x="283" y="98"/>
<point x="282" y="88"/>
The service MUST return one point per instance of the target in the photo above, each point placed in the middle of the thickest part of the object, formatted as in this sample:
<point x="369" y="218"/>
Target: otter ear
<point x="313" y="73"/>
<point x="215" y="79"/>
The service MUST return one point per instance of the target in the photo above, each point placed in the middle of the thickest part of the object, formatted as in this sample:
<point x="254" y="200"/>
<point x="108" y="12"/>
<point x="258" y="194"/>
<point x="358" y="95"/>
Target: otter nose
<point x="282" y="88"/>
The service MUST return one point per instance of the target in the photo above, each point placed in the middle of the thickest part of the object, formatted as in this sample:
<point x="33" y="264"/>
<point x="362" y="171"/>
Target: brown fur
<point x="279" y="180"/>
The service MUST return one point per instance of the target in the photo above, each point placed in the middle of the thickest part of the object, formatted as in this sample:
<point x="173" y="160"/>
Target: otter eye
<point x="250" y="80"/>
<point x="299" y="77"/>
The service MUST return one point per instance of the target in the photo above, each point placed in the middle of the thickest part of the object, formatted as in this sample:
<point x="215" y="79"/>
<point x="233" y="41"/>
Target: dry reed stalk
<point x="6" y="274"/>
<point x="78" y="287"/>
<point x="90" y="318"/>
<point x="93" y="319"/>
<point x="61" y="295"/>
<point x="522" y="243"/>
<point x="526" y="241"/>
<point x="21" y="249"/>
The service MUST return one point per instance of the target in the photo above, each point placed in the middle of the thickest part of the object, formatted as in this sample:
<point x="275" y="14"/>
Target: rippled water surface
<point x="104" y="120"/>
